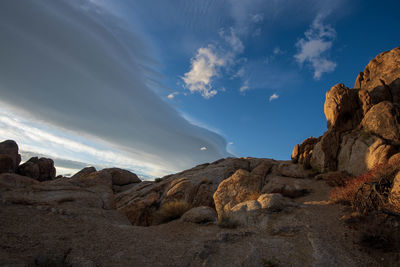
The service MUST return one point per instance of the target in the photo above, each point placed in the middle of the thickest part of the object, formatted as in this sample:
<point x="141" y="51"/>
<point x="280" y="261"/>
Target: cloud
<point x="210" y="61"/>
<point x="244" y="87"/>
<point x="233" y="40"/>
<point x="273" y="97"/>
<point x="277" y="51"/>
<point x="203" y="148"/>
<point x="172" y="95"/>
<point x="204" y="67"/>
<point x="314" y="46"/>
<point x="257" y="18"/>
<point x="230" y="143"/>
<point x="90" y="76"/>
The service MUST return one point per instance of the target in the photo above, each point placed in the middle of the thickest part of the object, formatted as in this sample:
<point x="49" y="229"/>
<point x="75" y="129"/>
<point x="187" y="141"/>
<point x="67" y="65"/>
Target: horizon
<point x="157" y="88"/>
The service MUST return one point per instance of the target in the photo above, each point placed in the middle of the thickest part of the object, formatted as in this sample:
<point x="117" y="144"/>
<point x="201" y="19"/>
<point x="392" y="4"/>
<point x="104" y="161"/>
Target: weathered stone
<point x="295" y="154"/>
<point x="361" y="152"/>
<point x="394" y="196"/>
<point x="122" y="177"/>
<point x="302" y="153"/>
<point x="202" y="214"/>
<point x="40" y="169"/>
<point x="6" y="164"/>
<point x="286" y="186"/>
<point x="324" y="156"/>
<point x="381" y="77"/>
<point x="383" y="120"/>
<point x="10" y="148"/>
<point x="289" y="169"/>
<point x="240" y="187"/>
<point x="342" y="108"/>
<point x="84" y="172"/>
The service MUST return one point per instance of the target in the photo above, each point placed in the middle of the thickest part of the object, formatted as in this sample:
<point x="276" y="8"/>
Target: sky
<point x="160" y="86"/>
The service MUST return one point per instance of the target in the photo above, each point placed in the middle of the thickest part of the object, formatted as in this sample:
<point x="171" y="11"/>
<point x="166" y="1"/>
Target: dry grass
<point x="172" y="210"/>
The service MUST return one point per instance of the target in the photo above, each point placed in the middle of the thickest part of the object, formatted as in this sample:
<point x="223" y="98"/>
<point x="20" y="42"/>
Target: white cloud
<point x="172" y="95"/>
<point x="204" y="67"/>
<point x="312" y="48"/>
<point x="244" y="87"/>
<point x="230" y="143"/>
<point x="273" y="97"/>
<point x="203" y="148"/>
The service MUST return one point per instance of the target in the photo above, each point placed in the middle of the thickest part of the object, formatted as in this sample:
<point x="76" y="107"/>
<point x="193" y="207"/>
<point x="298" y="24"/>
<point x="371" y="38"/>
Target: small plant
<point x="157" y="180"/>
<point x="172" y="210"/>
<point x="227" y="221"/>
<point x="345" y="194"/>
<point x="337" y="178"/>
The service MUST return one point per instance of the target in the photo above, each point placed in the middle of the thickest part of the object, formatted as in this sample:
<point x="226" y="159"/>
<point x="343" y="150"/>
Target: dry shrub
<point x="228" y="221"/>
<point x="383" y="173"/>
<point x="171" y="211"/>
<point x="339" y="178"/>
<point x="368" y="194"/>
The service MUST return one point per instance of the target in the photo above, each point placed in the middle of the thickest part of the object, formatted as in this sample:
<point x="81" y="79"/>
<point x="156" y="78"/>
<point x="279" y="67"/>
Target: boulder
<point x="10" y="148"/>
<point x="289" y="169"/>
<point x="40" y="169"/>
<point x="361" y="151"/>
<point x="240" y="187"/>
<point x="394" y="196"/>
<point x="381" y="77"/>
<point x="84" y="172"/>
<point x="383" y="120"/>
<point x="6" y="164"/>
<point x="302" y="153"/>
<point x="288" y="187"/>
<point x="324" y="156"/>
<point x="255" y="212"/>
<point x="200" y="215"/>
<point x="341" y="108"/>
<point x="395" y="159"/>
<point x="122" y="177"/>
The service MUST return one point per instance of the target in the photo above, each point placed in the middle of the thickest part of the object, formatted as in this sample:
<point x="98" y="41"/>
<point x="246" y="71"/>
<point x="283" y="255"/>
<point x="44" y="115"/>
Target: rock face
<point x="363" y="123"/>
<point x="9" y="151"/>
<point x="40" y="169"/>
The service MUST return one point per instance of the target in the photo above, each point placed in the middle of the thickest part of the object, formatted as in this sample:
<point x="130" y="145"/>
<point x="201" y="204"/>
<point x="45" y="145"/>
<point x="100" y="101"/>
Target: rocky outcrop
<point x="302" y="153"/>
<point x="9" y="156"/>
<point x="394" y="196"/>
<point x="41" y="169"/>
<point x="363" y="123"/>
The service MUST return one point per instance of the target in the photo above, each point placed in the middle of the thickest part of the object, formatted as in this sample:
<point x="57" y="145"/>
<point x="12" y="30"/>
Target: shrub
<point x="227" y="221"/>
<point x="338" y="178"/>
<point x="171" y="211"/>
<point x="157" y="180"/>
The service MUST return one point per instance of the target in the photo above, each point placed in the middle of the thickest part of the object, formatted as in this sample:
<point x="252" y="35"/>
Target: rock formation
<point x="363" y="123"/>
<point x="281" y="208"/>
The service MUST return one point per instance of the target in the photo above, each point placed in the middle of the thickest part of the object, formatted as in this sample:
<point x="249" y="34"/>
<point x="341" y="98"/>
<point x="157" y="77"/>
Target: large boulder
<point x="342" y="108"/>
<point x="381" y="77"/>
<point x="84" y="172"/>
<point x="383" y="120"/>
<point x="200" y="215"/>
<point x="41" y="169"/>
<point x="361" y="151"/>
<point x="122" y="177"/>
<point x="6" y="164"/>
<point x="240" y="187"/>
<point x="9" y="148"/>
<point x="255" y="212"/>
<point x="287" y="186"/>
<point x="325" y="152"/>
<point x="394" y="196"/>
<point x="302" y="153"/>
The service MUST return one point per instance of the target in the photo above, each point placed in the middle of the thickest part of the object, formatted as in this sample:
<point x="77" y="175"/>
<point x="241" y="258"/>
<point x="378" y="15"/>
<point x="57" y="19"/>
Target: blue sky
<point x="160" y="86"/>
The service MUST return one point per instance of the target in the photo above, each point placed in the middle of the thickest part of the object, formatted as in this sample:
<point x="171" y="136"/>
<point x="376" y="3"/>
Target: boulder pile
<point x="363" y="122"/>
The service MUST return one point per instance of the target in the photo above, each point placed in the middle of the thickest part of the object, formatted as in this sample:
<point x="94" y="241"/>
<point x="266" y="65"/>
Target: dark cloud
<point x="75" y="67"/>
